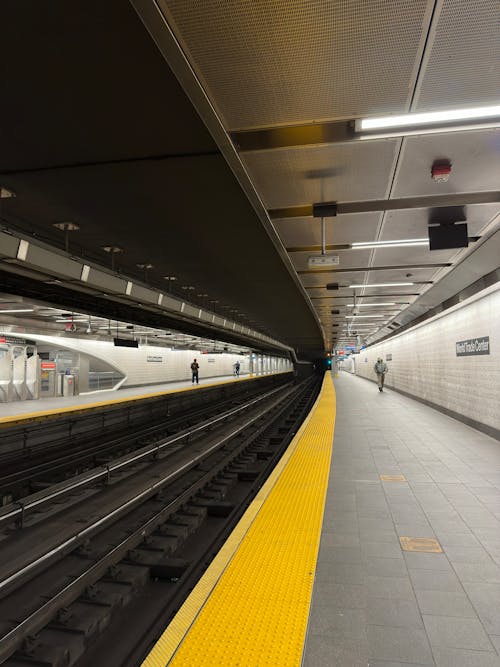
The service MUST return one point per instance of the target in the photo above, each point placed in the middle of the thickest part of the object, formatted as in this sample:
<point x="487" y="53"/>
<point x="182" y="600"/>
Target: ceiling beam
<point x="293" y="135"/>
<point x="427" y="201"/>
<point x="368" y="269"/>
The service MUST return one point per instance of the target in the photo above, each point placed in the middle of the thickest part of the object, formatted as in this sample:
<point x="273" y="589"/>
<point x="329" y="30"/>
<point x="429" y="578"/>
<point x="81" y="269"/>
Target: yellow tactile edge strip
<point x="251" y="606"/>
<point x="13" y="420"/>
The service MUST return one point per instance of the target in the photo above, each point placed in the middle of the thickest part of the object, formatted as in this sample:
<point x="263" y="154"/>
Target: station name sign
<point x="472" y="346"/>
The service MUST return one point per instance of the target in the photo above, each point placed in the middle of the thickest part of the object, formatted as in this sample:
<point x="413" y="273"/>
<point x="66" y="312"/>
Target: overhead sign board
<point x="472" y="346"/>
<point x="322" y="261"/>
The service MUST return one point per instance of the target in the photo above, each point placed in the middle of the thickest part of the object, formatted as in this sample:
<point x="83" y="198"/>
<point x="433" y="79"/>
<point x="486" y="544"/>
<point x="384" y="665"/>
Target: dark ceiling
<point x="96" y="130"/>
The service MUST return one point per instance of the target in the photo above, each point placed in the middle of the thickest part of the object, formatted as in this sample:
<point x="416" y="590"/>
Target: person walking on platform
<point x="380" y="369"/>
<point x="237" y="369"/>
<point x="195" y="367"/>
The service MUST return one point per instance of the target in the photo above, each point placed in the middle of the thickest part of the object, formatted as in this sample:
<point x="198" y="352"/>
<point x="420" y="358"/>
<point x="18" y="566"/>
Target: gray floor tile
<point x="453" y="632"/>
<point x="482" y="572"/>
<point x="391" y="663"/>
<point x="336" y="539"/>
<point x="442" y="603"/>
<point x="399" y="644"/>
<point x="340" y="555"/>
<point x="426" y="561"/>
<point x="486" y="601"/>
<point x="339" y="623"/>
<point x="324" y="651"/>
<point x="394" y="613"/>
<point x="460" y="554"/>
<point x="391" y="588"/>
<point x="340" y="596"/>
<point x="385" y="567"/>
<point x="340" y="572"/>
<point x="435" y="580"/>
<point x="467" y="539"/>
<point x="381" y="549"/>
<point x="495" y="640"/>
<point x="449" y="657"/>
<point x="375" y="535"/>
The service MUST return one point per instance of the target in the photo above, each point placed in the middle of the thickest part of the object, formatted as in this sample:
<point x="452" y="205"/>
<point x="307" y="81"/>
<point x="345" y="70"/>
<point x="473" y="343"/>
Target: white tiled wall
<point x="424" y="361"/>
<point x="175" y="364"/>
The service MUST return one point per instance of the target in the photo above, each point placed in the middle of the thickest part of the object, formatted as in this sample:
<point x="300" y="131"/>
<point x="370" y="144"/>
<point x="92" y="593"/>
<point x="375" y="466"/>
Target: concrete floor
<point x="375" y="603"/>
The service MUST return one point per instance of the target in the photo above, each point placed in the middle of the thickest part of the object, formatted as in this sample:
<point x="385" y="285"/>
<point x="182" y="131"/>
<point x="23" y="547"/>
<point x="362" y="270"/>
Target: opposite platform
<point x="19" y="412"/>
<point x="403" y="470"/>
<point x="251" y="607"/>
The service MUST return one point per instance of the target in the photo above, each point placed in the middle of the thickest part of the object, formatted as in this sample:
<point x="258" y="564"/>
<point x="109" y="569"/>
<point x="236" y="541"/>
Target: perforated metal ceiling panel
<point x="413" y="223"/>
<point x="475" y="158"/>
<point x="289" y="61"/>
<point x="415" y="255"/>
<point x="346" y="172"/>
<point x="343" y="229"/>
<point x="400" y="275"/>
<point x="461" y="69"/>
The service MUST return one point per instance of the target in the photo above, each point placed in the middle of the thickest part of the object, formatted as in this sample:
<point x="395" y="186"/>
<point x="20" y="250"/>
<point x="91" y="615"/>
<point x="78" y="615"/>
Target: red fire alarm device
<point x="441" y="170"/>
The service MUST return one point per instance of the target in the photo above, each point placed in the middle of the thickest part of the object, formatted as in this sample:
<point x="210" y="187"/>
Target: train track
<point x="67" y="577"/>
<point x="25" y="471"/>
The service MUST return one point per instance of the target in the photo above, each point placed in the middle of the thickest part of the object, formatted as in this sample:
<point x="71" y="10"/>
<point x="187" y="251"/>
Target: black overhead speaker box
<point x="447" y="237"/>
<point x="125" y="342"/>
<point x="335" y="312"/>
<point x="334" y="286"/>
<point x="325" y="210"/>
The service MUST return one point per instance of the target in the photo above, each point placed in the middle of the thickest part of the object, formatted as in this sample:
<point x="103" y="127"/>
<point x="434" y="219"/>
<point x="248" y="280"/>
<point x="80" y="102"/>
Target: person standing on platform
<point x="195" y="367"/>
<point x="380" y="369"/>
<point x="237" y="369"/>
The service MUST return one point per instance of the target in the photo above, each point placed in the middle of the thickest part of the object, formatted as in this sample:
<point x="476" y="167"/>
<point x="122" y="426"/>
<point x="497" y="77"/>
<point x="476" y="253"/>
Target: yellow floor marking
<point x="55" y="412"/>
<point x="251" y="607"/>
<point x="393" y="478"/>
<point x="423" y="544"/>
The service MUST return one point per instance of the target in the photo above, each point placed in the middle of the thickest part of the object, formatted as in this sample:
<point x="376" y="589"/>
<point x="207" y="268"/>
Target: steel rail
<point x="13" y="639"/>
<point x="103" y="472"/>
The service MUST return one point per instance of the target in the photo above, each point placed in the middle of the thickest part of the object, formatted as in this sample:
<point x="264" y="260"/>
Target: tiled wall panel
<point x="424" y="362"/>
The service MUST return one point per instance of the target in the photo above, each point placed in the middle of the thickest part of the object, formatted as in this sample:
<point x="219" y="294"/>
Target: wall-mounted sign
<point x="48" y="365"/>
<point x="151" y="358"/>
<point x="12" y="340"/>
<point x="388" y="357"/>
<point x="472" y="346"/>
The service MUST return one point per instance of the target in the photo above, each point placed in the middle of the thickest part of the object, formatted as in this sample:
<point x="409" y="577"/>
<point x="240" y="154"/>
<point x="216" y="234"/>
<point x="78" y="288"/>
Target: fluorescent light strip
<point x="365" y="245"/>
<point x="428" y="118"/>
<point x="364" y="305"/>
<point x="382" y="285"/>
<point x="17" y="310"/>
<point x="380" y="317"/>
<point x="69" y="320"/>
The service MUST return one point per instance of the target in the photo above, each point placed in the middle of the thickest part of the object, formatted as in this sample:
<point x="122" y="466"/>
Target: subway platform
<point x="61" y="404"/>
<point x="406" y="517"/>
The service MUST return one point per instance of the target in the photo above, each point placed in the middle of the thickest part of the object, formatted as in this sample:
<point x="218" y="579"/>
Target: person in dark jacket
<point x="380" y="369"/>
<point x="195" y="367"/>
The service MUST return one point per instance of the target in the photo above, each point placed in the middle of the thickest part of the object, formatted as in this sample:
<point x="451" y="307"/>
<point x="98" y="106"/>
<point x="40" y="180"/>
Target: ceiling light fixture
<point x="381" y="285"/>
<point x="386" y="303"/>
<point x="380" y="317"/>
<point x="400" y="243"/>
<point x="427" y="122"/>
<point x="17" y="310"/>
